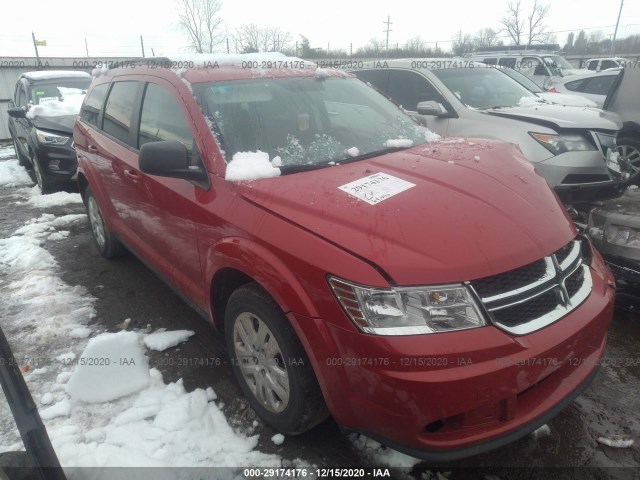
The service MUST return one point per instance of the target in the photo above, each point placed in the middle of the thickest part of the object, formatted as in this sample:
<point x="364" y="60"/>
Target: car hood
<point x="62" y="123"/>
<point x="477" y="209"/>
<point x="566" y="99"/>
<point x="568" y="72"/>
<point x="561" y="116"/>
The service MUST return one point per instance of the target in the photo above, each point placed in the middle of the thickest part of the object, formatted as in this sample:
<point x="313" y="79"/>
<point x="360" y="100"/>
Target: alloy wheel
<point x="631" y="155"/>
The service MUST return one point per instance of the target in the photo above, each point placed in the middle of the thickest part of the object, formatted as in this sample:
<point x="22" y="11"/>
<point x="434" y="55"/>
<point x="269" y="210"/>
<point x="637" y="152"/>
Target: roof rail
<point x="543" y="47"/>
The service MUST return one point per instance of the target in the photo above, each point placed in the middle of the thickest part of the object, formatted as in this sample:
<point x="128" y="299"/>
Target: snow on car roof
<point x="233" y="59"/>
<point x="49" y="74"/>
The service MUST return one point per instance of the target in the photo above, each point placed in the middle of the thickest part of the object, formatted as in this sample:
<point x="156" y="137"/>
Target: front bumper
<point x="447" y="396"/>
<point x="59" y="163"/>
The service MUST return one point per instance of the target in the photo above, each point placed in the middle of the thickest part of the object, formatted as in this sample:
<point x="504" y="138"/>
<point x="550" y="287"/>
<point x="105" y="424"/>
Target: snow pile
<point x="57" y="199"/>
<point x="35" y="295"/>
<point x="101" y="377"/>
<point x="543" y="431"/>
<point x="155" y="425"/>
<point x="381" y="454"/>
<point x="530" y="101"/>
<point x="250" y="166"/>
<point x="616" y="441"/>
<point x="398" y="143"/>
<point x="98" y="71"/>
<point x="69" y="105"/>
<point x="162" y="340"/>
<point x="7" y="152"/>
<point x="12" y="174"/>
<point x="278" y="439"/>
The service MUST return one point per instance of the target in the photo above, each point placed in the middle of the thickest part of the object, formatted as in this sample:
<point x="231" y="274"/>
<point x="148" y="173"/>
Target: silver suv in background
<point x="569" y="146"/>
<point x="543" y="66"/>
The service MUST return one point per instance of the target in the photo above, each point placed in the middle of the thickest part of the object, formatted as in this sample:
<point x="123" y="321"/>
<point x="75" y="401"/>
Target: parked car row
<point x="429" y="292"/>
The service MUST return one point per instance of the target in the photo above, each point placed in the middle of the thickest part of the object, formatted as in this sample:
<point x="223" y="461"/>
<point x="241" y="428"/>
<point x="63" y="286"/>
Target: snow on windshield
<point x="247" y="166"/>
<point x="530" y="101"/>
<point x="69" y="103"/>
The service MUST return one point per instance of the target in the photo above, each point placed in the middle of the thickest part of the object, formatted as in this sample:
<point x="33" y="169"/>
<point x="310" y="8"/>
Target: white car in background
<point x="599" y="64"/>
<point x="594" y="85"/>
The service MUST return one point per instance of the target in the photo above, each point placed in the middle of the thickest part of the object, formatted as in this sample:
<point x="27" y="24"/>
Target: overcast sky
<point x="114" y="27"/>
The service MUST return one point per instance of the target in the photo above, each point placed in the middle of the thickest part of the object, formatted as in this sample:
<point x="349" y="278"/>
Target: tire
<point x="21" y="160"/>
<point x="629" y="150"/>
<point x="108" y="245"/>
<point x="41" y="180"/>
<point x="270" y="363"/>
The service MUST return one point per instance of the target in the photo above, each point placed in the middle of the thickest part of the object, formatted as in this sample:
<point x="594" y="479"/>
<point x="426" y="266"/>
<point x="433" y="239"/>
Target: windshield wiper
<point x="384" y="151"/>
<point x="303" y="167"/>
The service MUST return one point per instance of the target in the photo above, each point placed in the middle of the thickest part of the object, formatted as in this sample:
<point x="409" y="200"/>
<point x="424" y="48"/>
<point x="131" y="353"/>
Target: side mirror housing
<point x="17" y="112"/>
<point x="431" y="108"/>
<point x="169" y="159"/>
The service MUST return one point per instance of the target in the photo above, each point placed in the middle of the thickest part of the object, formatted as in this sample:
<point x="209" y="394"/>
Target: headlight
<point x="47" y="138"/>
<point x="558" y="144"/>
<point x="622" y="235"/>
<point x="408" y="310"/>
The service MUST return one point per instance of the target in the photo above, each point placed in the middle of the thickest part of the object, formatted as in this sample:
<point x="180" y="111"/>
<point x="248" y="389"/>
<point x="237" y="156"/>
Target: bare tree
<point x="487" y="37"/>
<point x="250" y="38"/>
<point x="279" y="40"/>
<point x="513" y="23"/>
<point x="461" y="43"/>
<point x="202" y="23"/>
<point x="537" y="29"/>
<point x="416" y="45"/>
<point x="522" y="27"/>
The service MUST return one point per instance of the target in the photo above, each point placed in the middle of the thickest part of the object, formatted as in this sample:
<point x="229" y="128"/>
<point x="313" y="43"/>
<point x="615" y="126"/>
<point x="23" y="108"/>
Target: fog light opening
<point x="434" y="426"/>
<point x="54" y="165"/>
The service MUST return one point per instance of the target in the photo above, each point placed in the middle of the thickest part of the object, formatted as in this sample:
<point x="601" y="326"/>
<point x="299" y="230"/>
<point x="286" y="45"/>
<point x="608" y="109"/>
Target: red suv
<point x="433" y="295"/>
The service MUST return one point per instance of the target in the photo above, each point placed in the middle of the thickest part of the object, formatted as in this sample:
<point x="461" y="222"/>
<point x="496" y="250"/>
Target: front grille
<point x="533" y="296"/>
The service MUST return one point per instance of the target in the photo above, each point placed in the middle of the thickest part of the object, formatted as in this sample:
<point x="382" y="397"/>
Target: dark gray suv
<point x="41" y="117"/>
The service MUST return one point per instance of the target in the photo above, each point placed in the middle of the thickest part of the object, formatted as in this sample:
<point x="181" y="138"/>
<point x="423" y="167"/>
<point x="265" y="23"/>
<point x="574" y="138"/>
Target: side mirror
<point x="431" y="108"/>
<point x="169" y="159"/>
<point x="17" y="112"/>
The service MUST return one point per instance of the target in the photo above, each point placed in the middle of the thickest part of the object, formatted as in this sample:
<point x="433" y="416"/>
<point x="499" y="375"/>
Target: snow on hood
<point x="529" y="101"/>
<point x="68" y="105"/>
<point x="568" y="100"/>
<point x="251" y="166"/>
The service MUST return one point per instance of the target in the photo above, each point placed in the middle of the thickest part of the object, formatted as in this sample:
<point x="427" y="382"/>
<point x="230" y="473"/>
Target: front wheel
<point x="629" y="151"/>
<point x="270" y="363"/>
<point x="21" y="160"/>
<point x="41" y="180"/>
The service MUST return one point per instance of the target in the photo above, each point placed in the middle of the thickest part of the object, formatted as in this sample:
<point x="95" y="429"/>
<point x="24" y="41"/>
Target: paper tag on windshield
<point x="47" y="100"/>
<point x="376" y="188"/>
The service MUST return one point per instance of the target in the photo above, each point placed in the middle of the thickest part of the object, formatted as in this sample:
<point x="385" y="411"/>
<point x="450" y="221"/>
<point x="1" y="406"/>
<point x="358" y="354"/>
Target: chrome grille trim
<point x="553" y="280"/>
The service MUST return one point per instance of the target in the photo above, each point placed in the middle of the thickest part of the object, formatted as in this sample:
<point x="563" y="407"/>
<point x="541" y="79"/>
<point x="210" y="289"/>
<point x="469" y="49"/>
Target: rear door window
<point x="119" y="110"/>
<point x="93" y="105"/>
<point x="592" y="65"/>
<point x="608" y="64"/>
<point x="162" y="118"/>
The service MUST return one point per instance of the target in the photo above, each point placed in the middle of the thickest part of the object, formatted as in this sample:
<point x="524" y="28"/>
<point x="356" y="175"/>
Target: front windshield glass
<point x="558" y="62"/>
<point x="53" y="90"/>
<point x="305" y="120"/>
<point x="483" y="88"/>
<point x="522" y="80"/>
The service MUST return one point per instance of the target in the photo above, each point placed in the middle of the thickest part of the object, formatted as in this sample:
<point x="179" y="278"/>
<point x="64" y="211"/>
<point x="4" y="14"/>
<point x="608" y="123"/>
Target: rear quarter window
<point x="93" y="105"/>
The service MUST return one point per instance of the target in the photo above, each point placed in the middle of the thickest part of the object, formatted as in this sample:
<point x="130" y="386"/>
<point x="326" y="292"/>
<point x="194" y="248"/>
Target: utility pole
<point x="228" y="45"/>
<point x="35" y="45"/>
<point x="388" y="23"/>
<point x="86" y="46"/>
<point x="142" y="45"/>
<point x="615" y="32"/>
<point x="351" y="49"/>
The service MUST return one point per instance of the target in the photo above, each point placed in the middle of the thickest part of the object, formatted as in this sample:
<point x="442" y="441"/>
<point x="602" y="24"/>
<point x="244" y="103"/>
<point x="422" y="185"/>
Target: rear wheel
<point x="629" y="151"/>
<point x="270" y="363"/>
<point x="108" y="245"/>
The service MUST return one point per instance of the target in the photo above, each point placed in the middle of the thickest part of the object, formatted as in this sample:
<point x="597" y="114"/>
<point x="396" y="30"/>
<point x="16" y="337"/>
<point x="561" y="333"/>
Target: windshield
<point x="522" y="80"/>
<point x="49" y="91"/>
<point x="306" y="120"/>
<point x="483" y="88"/>
<point x="558" y="62"/>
